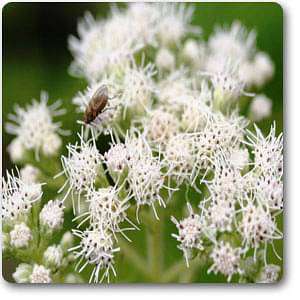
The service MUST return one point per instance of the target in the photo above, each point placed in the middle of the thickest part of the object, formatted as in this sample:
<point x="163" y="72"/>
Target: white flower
<point x="267" y="151"/>
<point x="220" y="214"/>
<point x="233" y="42"/>
<point x="145" y="180"/>
<point x="137" y="146"/>
<point x="165" y="60"/>
<point x="160" y="126"/>
<point x="261" y="107"/>
<point x="52" y="144"/>
<point x="263" y="67"/>
<point x="52" y="215"/>
<point x="18" y="197"/>
<point x="116" y="158"/>
<point x="228" y="183"/>
<point x="81" y="166"/>
<point x="103" y="46"/>
<point x="268" y="190"/>
<point x="106" y="209"/>
<point x="96" y="247"/>
<point x="257" y="226"/>
<point x="269" y="274"/>
<point x="180" y="157"/>
<point x="137" y="87"/>
<point x="195" y="115"/>
<point x="145" y="17"/>
<point x="16" y="150"/>
<point x="67" y="240"/>
<point x="175" y="90"/>
<point x="239" y="158"/>
<point x="34" y="126"/>
<point x="40" y="275"/>
<point x="194" y="53"/>
<point x="236" y="44"/>
<point x="22" y="273"/>
<point x="174" y="23"/>
<point x="220" y="134"/>
<point x="20" y="236"/>
<point x="227" y="84"/>
<point x="226" y="260"/>
<point x="53" y="256"/>
<point x="190" y="233"/>
<point x="29" y="174"/>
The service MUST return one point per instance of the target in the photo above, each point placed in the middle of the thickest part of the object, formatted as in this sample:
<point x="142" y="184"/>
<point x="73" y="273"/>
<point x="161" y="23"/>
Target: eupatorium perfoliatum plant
<point x="190" y="185"/>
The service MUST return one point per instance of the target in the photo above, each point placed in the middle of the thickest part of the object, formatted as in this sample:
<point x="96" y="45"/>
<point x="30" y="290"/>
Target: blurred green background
<point x="36" y="57"/>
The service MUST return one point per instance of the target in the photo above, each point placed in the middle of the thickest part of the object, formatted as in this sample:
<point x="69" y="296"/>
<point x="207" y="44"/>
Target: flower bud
<point x="22" y="273"/>
<point x="53" y="256"/>
<point x="20" y="236"/>
<point x="67" y="241"/>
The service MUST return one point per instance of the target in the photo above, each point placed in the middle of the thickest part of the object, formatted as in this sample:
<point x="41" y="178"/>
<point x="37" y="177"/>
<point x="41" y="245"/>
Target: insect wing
<point x="99" y="99"/>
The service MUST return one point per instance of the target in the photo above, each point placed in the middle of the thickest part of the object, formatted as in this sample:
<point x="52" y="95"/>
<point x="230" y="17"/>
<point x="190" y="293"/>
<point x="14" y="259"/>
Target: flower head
<point x="52" y="215"/>
<point x="96" y="52"/>
<point x="261" y="107"/>
<point x="190" y="232"/>
<point x="53" y="256"/>
<point x="160" y="126"/>
<point x="269" y="274"/>
<point x="194" y="53"/>
<point x="233" y="42"/>
<point x="175" y="91"/>
<point x="96" y="247"/>
<point x="18" y="197"/>
<point x="29" y="174"/>
<point x="267" y="151"/>
<point x="20" y="236"/>
<point x="22" y="273"/>
<point x="257" y="226"/>
<point x="82" y="165"/>
<point x="34" y="126"/>
<point x="106" y="210"/>
<point x="40" y="275"/>
<point x="116" y="158"/>
<point x="179" y="157"/>
<point x="165" y="60"/>
<point x="137" y="87"/>
<point x="16" y="150"/>
<point x="145" y="180"/>
<point x="225" y="260"/>
<point x="174" y="23"/>
<point x="220" y="214"/>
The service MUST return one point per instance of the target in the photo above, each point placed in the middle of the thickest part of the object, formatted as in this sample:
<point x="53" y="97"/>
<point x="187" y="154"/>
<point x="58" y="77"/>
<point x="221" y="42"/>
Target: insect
<point x="96" y="105"/>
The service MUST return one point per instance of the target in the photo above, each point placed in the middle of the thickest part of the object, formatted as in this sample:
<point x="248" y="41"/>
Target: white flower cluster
<point x="26" y="225"/>
<point x="105" y="208"/>
<point x="244" y="200"/>
<point x="173" y="114"/>
<point x="180" y="126"/>
<point x="105" y="46"/>
<point x="18" y="197"/>
<point x="51" y="264"/>
<point x="35" y="130"/>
